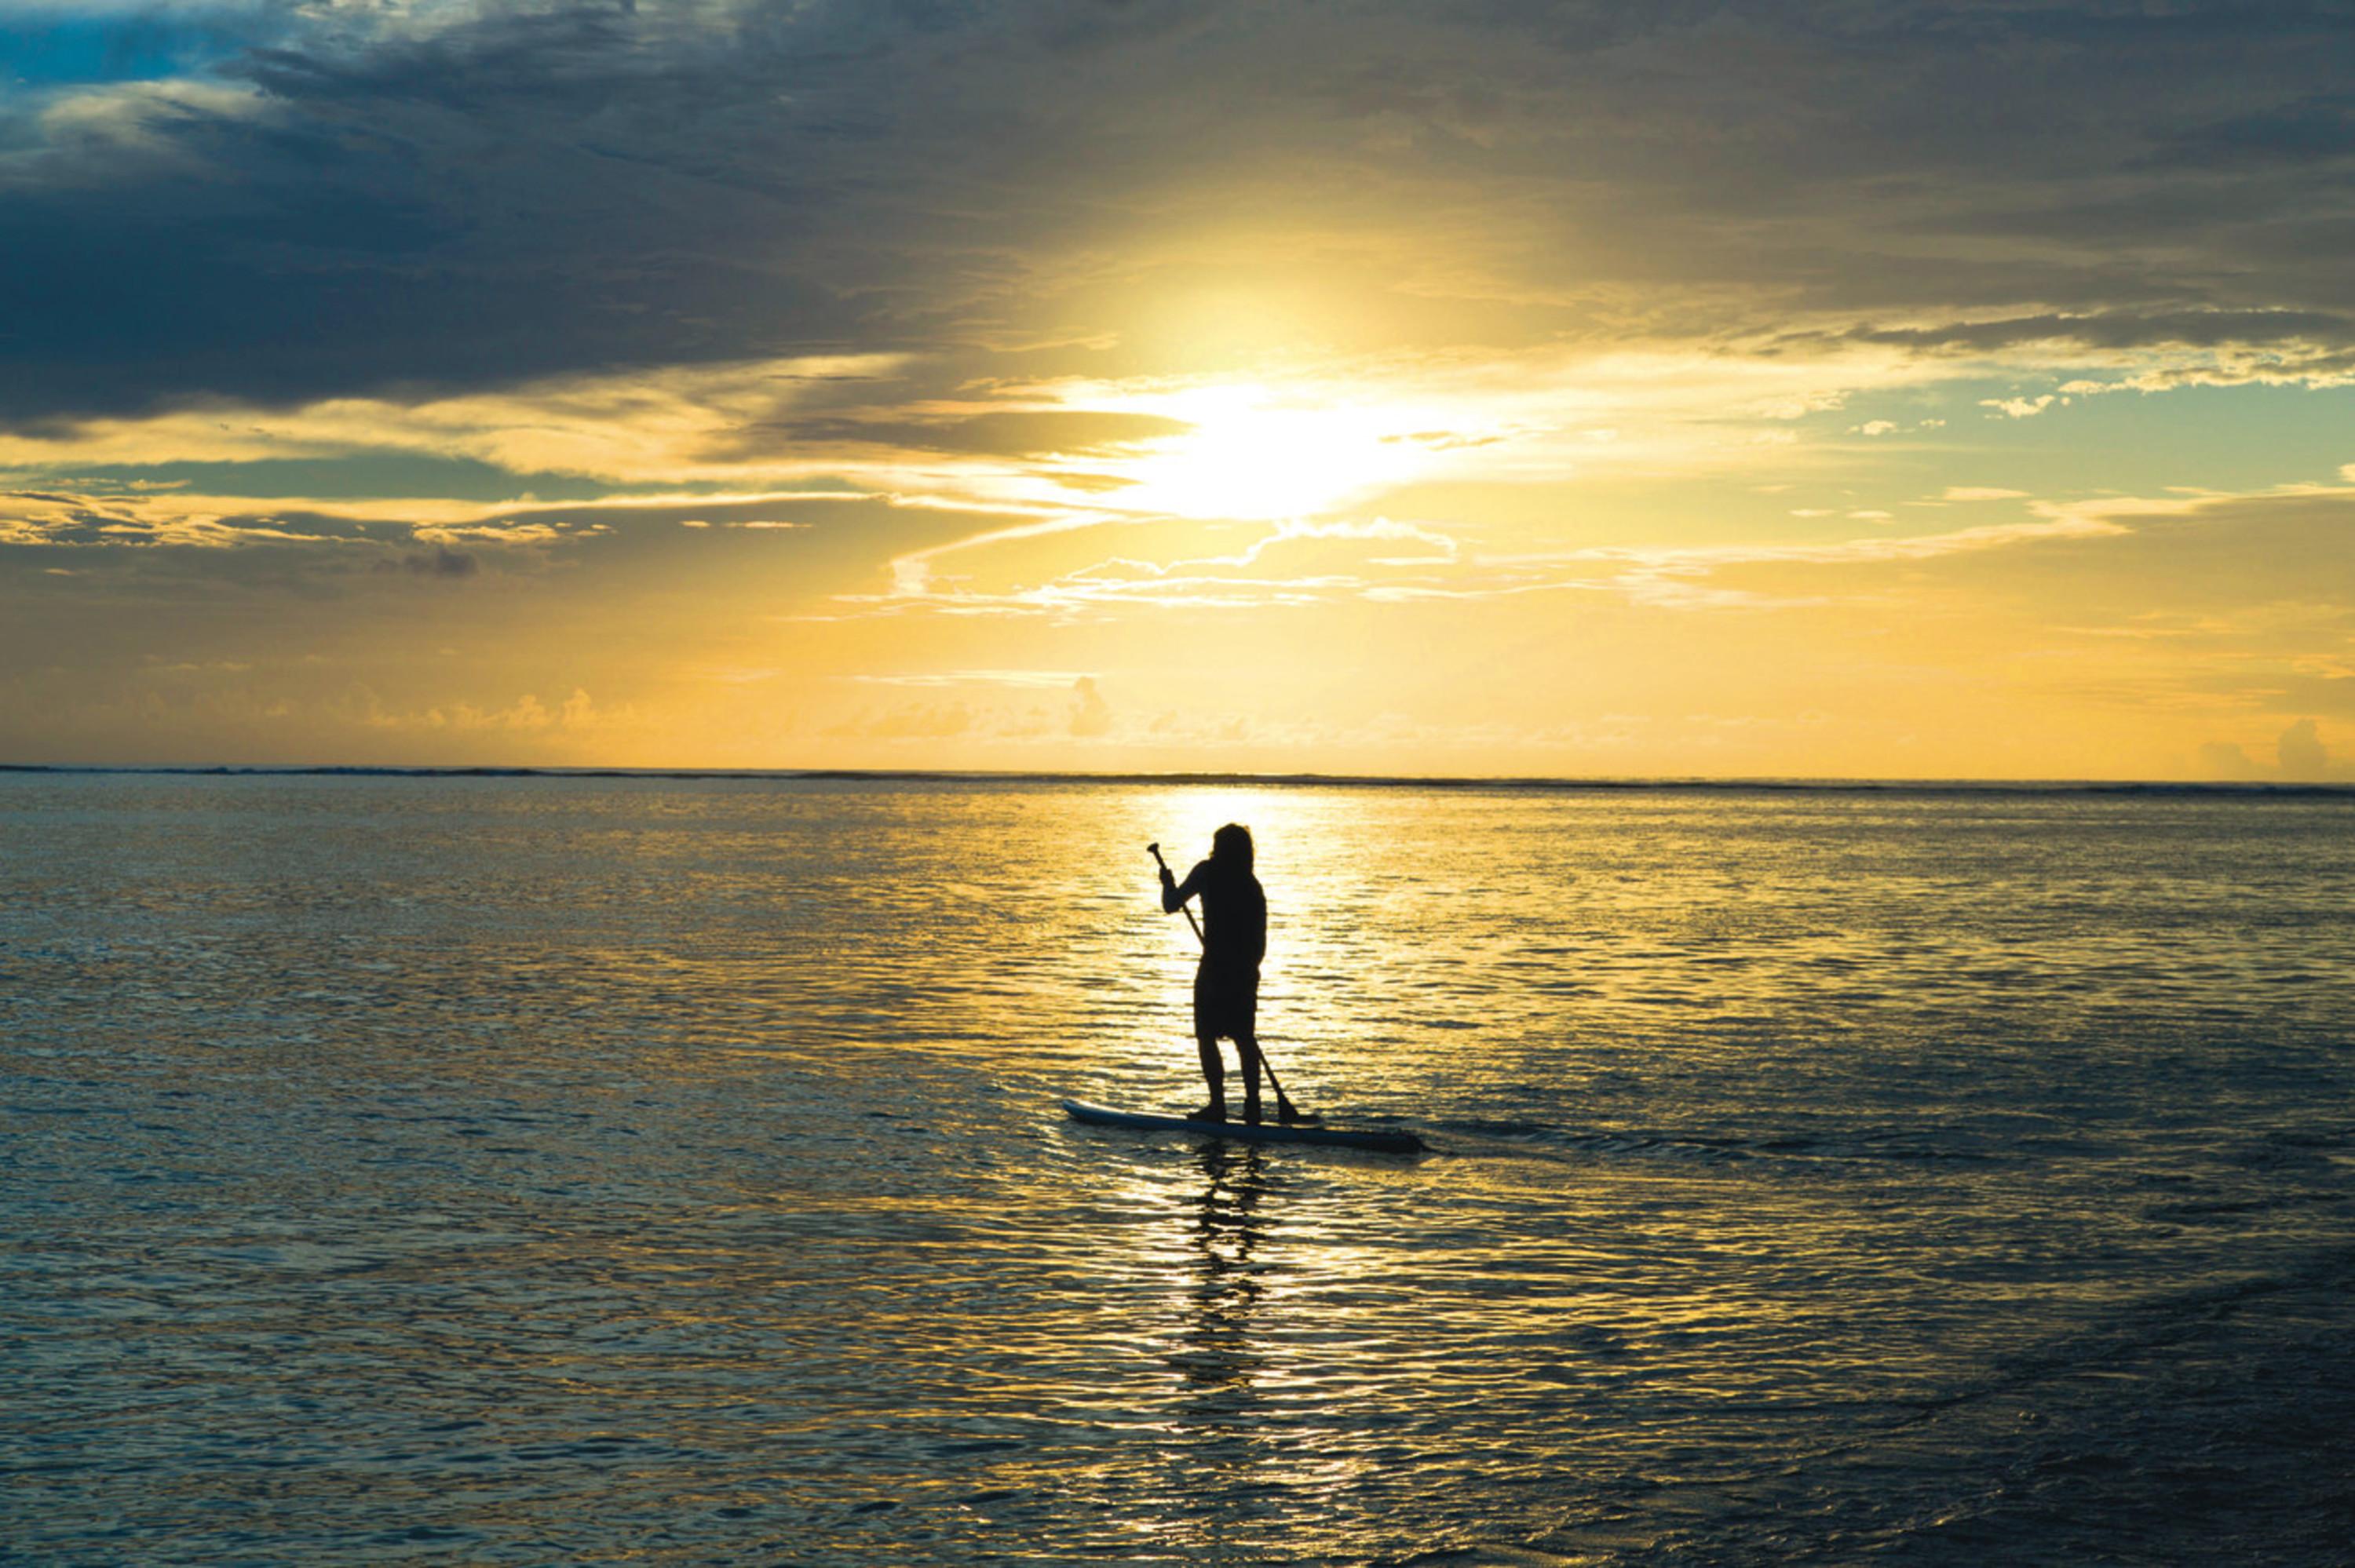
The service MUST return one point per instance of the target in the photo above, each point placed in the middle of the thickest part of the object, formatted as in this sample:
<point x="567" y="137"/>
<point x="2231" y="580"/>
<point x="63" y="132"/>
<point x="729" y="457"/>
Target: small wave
<point x="1859" y="1146"/>
<point x="1592" y="1140"/>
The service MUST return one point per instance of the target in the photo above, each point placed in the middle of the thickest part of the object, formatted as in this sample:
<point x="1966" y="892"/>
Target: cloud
<point x="440" y="562"/>
<point x="2221" y="759"/>
<point x="1981" y="492"/>
<point x="1090" y="715"/>
<point x="2318" y="131"/>
<point x="1293" y="562"/>
<point x="2124" y="330"/>
<point x="526" y="713"/>
<point x="1020" y="680"/>
<point x="466" y="197"/>
<point x="2301" y="754"/>
<point x="933" y="721"/>
<point x="1299" y="565"/>
<point x="1012" y="433"/>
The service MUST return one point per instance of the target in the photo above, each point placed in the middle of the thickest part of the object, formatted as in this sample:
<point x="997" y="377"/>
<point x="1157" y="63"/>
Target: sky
<point x="1488" y="387"/>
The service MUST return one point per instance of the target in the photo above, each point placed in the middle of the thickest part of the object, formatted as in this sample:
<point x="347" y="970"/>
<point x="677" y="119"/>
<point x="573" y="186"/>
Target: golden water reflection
<point x="592" y="1168"/>
<point x="1215" y="1349"/>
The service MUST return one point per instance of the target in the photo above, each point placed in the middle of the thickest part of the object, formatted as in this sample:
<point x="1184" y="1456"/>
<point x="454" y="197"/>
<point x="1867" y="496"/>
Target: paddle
<point x="1286" y="1111"/>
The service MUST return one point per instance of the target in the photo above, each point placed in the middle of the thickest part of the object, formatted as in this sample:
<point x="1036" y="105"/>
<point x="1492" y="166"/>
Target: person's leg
<point x="1206" y="1036"/>
<point x="1247" y="1047"/>
<point x="1214" y="1073"/>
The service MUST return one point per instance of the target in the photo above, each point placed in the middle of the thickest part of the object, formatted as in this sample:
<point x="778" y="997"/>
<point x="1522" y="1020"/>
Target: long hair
<point x="1232" y="845"/>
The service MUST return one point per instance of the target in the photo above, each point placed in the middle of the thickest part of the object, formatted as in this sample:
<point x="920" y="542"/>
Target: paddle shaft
<point x="1284" y="1104"/>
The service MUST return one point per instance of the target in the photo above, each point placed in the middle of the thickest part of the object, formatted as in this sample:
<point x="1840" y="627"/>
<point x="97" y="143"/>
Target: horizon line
<point x="1222" y="777"/>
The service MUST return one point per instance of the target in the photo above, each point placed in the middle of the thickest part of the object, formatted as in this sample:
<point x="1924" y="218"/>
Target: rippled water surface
<point x="671" y="1171"/>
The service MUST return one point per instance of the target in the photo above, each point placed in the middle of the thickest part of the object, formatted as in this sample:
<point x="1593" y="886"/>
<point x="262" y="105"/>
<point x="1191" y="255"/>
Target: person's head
<point x="1232" y="845"/>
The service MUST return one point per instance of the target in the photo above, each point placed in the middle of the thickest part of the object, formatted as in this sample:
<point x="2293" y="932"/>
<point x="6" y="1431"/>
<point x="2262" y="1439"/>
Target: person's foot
<point x="1215" y="1111"/>
<point x="1250" y="1110"/>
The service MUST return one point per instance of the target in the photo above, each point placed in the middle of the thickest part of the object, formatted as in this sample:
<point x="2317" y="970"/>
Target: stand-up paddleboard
<point x="1249" y="1131"/>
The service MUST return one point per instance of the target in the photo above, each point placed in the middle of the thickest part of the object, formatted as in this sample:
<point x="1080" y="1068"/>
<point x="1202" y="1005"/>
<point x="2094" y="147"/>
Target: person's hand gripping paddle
<point x="1286" y="1111"/>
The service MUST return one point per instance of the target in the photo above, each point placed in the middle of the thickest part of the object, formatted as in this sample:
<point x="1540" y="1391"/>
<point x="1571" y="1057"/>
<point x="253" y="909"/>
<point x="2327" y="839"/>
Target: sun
<point x="1256" y="454"/>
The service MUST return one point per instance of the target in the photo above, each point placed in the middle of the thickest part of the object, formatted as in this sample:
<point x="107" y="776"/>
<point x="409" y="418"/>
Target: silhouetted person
<point x="1234" y="939"/>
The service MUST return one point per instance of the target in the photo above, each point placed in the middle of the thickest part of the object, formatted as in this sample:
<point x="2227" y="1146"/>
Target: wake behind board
<point x="1249" y="1132"/>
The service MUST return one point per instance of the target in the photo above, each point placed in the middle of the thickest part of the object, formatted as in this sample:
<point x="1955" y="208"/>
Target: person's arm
<point x="1174" y="893"/>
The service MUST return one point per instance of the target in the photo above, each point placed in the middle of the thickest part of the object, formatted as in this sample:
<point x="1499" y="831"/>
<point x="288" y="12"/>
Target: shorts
<point x="1226" y="1003"/>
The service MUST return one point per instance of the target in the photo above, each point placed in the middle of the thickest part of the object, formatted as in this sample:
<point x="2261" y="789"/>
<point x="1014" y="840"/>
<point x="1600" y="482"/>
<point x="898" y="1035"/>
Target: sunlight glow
<point x="1258" y="455"/>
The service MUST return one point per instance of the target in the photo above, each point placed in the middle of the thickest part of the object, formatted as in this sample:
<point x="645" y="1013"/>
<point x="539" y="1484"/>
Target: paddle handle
<point x="1154" y="849"/>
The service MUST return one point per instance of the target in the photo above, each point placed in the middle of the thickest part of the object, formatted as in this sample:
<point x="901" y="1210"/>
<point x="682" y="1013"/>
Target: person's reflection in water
<point x="1222" y="1448"/>
<point x="1234" y="940"/>
<point x="1215" y="1352"/>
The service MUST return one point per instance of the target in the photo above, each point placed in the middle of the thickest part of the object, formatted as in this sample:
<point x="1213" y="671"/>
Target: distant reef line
<point x="1295" y="781"/>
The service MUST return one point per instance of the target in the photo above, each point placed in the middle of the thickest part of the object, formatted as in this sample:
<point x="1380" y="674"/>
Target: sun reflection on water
<point x="1216" y="1345"/>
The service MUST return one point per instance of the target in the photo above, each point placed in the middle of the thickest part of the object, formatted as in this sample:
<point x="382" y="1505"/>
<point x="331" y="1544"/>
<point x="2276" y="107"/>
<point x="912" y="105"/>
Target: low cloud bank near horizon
<point x="2299" y="757"/>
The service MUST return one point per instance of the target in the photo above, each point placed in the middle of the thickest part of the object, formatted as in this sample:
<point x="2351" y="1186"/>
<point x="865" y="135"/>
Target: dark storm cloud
<point x="380" y="206"/>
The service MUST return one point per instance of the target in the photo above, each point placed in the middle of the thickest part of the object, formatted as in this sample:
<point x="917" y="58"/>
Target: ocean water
<point x="670" y="1170"/>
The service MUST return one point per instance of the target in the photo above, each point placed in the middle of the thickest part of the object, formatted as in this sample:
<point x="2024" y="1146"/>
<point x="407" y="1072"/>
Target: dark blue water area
<point x="600" y="1169"/>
